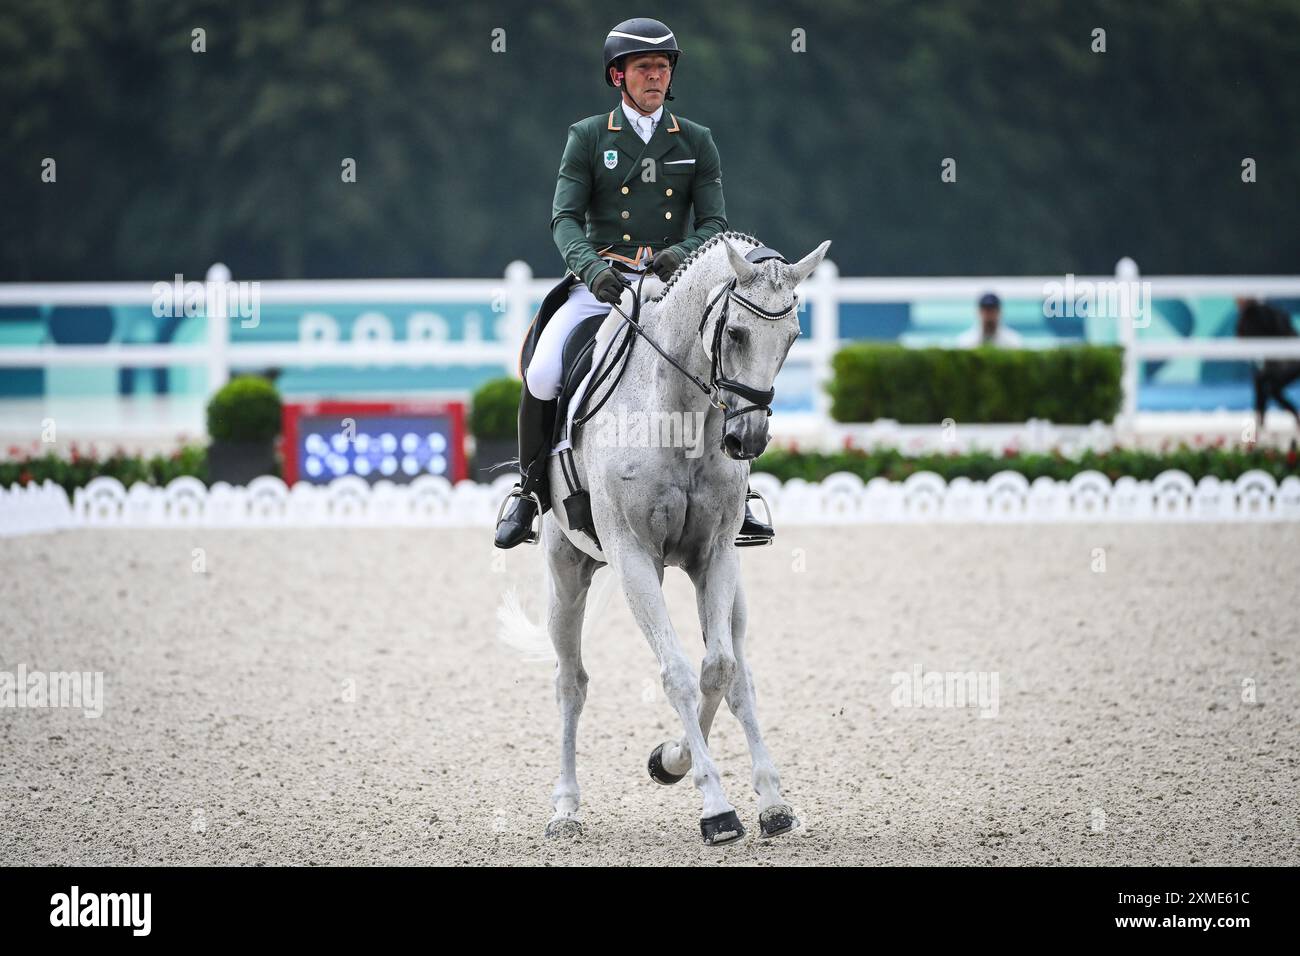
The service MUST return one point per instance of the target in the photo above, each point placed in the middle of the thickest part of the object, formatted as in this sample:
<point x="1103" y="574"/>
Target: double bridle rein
<point x="761" y="399"/>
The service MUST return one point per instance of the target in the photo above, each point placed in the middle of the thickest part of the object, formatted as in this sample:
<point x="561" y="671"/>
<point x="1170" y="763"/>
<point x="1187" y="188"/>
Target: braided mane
<point x="700" y="250"/>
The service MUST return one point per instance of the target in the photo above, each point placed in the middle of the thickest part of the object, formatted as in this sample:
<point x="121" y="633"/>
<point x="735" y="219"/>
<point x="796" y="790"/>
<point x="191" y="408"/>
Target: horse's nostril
<point x="732" y="445"/>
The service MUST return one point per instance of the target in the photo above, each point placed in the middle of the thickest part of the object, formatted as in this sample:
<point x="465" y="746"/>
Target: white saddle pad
<point x="652" y="287"/>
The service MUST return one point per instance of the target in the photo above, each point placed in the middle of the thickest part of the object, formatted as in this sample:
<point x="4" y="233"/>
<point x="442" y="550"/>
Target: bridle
<point x="718" y="379"/>
<point x="760" y="399"/>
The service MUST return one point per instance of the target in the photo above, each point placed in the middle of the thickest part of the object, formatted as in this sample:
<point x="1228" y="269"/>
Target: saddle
<point x="576" y="355"/>
<point x="576" y="358"/>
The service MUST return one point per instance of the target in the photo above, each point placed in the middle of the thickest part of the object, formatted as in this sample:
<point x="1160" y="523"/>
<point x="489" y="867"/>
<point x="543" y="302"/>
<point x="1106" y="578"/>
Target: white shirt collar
<point x="633" y="115"/>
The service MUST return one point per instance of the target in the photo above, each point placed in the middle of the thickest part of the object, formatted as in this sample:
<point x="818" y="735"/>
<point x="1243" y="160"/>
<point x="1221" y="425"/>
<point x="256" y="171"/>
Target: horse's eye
<point x="735" y="335"/>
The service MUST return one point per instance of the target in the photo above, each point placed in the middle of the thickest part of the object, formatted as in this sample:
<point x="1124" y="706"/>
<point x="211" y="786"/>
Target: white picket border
<point x="842" y="498"/>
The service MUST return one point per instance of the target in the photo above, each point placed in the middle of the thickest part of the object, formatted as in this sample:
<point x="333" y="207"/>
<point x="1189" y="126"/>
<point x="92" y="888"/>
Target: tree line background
<point x="168" y="160"/>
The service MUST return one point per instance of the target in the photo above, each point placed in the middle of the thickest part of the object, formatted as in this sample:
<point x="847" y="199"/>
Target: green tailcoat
<point x="619" y="196"/>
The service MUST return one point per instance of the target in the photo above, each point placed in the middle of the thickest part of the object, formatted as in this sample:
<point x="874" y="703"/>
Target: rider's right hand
<point x="608" y="286"/>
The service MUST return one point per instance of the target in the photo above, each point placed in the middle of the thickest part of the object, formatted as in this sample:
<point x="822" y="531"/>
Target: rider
<point x="615" y="215"/>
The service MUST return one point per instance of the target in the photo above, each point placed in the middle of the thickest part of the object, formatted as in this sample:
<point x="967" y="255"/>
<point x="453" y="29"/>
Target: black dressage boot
<point x="754" y="532"/>
<point x="522" y="506"/>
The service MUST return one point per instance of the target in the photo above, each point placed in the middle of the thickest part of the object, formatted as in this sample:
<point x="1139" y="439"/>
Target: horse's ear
<point x="805" y="266"/>
<point x="741" y="266"/>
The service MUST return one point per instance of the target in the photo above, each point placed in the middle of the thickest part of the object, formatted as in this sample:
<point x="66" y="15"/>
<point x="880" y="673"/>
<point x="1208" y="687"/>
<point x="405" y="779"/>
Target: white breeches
<point x="544" y="371"/>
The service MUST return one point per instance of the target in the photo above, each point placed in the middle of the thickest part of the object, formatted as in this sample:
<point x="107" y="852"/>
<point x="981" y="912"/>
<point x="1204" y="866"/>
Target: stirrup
<point x="518" y="492"/>
<point x="756" y="540"/>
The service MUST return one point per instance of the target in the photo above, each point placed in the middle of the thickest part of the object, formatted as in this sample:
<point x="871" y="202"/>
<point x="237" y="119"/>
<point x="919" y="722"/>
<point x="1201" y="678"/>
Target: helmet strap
<point x="632" y="99"/>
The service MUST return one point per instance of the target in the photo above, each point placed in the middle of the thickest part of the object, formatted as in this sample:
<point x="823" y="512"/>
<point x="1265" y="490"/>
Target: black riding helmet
<point x="641" y="35"/>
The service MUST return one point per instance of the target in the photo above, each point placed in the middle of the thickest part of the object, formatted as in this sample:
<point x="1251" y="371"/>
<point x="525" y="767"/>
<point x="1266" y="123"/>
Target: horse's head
<point x="748" y="328"/>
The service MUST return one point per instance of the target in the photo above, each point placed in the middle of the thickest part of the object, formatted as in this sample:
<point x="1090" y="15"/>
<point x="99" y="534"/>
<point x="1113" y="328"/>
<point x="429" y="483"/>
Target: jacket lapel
<point x="626" y="139"/>
<point x="665" y="137"/>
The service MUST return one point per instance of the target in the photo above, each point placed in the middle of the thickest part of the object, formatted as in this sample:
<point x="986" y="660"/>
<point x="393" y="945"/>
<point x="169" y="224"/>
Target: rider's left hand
<point x="665" y="262"/>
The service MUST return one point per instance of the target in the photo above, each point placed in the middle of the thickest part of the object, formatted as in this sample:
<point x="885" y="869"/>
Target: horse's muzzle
<point x="745" y="443"/>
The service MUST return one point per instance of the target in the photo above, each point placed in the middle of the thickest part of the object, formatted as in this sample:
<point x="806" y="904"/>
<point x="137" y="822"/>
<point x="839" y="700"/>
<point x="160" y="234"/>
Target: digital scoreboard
<point x="377" y="441"/>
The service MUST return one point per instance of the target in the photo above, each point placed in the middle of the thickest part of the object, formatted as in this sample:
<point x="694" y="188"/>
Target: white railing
<point x="512" y="298"/>
<point x="220" y="355"/>
<point x="1163" y="287"/>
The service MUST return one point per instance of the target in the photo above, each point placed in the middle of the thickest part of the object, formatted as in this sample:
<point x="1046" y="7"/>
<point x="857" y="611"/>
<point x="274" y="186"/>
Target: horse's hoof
<point x="777" y="820"/>
<point x="724" y="828"/>
<point x="657" y="772"/>
<point x="564" y="827"/>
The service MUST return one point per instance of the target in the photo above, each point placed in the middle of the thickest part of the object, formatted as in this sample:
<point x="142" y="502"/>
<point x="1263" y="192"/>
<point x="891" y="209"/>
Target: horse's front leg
<point x="569" y="578"/>
<point x="645" y="599"/>
<point x="715" y="583"/>
<point x="774" y="815"/>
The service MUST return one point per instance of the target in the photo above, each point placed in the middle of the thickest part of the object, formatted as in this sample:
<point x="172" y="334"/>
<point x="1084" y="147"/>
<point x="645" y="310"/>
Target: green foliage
<point x="494" y="409"/>
<point x="1222" y="462"/>
<point x="246" y="408"/>
<point x="1067" y="158"/>
<point x="76" y="470"/>
<point x="1073" y="385"/>
<point x="1225" y="463"/>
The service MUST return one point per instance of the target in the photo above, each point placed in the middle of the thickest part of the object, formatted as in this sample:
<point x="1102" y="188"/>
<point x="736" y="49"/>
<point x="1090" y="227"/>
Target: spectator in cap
<point x="989" y="330"/>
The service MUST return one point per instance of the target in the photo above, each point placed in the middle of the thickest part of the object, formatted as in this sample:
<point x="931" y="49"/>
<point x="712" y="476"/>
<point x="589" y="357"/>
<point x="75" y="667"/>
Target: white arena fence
<point x="431" y="501"/>
<point x="514" y="295"/>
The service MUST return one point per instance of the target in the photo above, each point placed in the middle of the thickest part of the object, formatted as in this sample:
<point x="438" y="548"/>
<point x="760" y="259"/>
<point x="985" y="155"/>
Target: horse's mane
<point x="711" y="243"/>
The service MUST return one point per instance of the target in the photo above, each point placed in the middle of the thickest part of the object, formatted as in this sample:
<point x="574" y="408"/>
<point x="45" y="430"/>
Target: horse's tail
<point x="518" y="631"/>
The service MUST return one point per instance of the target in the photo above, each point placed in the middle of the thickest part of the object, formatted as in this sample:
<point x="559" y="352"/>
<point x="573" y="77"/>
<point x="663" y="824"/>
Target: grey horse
<point x="678" y="502"/>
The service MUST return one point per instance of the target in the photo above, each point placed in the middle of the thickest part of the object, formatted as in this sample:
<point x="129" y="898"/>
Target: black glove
<point x="608" y="286"/>
<point x="665" y="262"/>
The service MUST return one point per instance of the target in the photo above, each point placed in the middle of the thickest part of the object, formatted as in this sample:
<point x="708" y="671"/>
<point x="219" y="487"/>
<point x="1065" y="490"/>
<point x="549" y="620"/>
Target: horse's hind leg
<point x="774" y="815"/>
<point x="641" y="584"/>
<point x="568" y="580"/>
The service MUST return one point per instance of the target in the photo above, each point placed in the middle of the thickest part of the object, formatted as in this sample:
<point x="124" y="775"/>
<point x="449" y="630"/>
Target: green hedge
<point x="245" y="409"/>
<point x="76" y="470"/>
<point x="494" y="409"/>
<point x="1072" y="385"/>
<point x="1222" y="462"/>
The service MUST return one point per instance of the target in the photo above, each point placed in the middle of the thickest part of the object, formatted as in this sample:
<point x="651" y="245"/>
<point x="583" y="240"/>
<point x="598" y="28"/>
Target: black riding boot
<point x="521" y="508"/>
<point x="754" y="532"/>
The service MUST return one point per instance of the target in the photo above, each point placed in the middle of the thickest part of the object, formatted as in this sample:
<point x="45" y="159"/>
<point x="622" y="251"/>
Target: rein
<point x="761" y="398"/>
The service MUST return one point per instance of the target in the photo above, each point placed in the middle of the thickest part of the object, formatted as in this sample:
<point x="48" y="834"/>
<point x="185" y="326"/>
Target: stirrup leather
<point x="533" y="531"/>
<point x="755" y="540"/>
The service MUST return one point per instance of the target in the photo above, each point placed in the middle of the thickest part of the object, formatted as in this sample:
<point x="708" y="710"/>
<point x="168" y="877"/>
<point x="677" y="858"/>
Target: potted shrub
<point x="494" y="423"/>
<point x="243" y="422"/>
